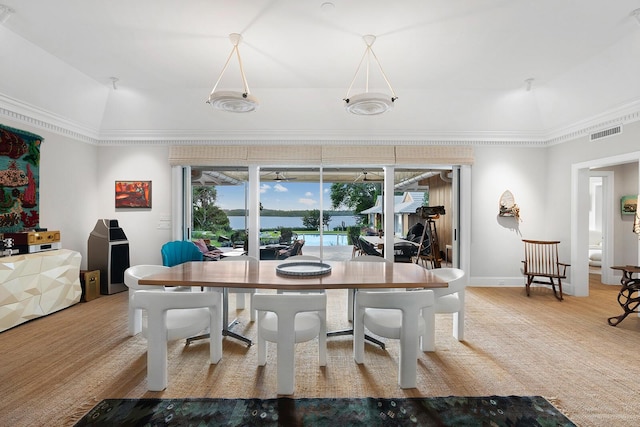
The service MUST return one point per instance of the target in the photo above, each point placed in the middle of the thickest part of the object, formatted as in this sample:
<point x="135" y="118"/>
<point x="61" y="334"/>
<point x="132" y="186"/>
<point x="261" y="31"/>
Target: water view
<point x="327" y="239"/>
<point x="238" y="222"/>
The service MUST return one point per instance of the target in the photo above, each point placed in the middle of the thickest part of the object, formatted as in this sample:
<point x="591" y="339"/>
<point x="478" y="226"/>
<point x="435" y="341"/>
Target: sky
<point x="284" y="195"/>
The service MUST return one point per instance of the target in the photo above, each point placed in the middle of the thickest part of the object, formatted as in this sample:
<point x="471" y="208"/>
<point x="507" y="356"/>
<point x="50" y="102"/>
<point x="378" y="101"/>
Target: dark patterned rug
<point x="428" y="411"/>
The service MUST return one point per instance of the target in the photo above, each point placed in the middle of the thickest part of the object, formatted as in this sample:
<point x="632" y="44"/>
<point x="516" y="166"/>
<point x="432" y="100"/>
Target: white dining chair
<point x="401" y="315"/>
<point x="241" y="292"/>
<point x="131" y="277"/>
<point x="449" y="300"/>
<point x="361" y="258"/>
<point x="177" y="315"/>
<point x="303" y="258"/>
<point x="287" y="319"/>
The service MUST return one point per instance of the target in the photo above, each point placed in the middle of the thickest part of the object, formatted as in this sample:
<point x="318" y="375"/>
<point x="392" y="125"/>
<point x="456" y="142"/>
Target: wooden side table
<point x="629" y="295"/>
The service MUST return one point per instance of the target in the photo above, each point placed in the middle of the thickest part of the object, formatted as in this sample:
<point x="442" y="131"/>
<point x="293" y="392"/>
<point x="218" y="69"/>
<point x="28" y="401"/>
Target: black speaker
<point x="118" y="263"/>
<point x="108" y="251"/>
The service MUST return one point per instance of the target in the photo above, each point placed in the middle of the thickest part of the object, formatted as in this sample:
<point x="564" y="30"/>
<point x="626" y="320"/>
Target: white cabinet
<point x="34" y="285"/>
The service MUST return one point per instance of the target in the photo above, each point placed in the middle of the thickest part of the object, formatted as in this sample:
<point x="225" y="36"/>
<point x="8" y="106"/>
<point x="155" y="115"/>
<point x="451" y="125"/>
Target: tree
<point x="206" y="215"/>
<point x="312" y="219"/>
<point x="355" y="196"/>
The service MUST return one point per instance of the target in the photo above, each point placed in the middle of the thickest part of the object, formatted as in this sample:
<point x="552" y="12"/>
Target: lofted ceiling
<point x="459" y="68"/>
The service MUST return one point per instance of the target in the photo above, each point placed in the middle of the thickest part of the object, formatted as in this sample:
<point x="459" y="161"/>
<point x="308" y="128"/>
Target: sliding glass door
<point x="219" y="211"/>
<point x="324" y="207"/>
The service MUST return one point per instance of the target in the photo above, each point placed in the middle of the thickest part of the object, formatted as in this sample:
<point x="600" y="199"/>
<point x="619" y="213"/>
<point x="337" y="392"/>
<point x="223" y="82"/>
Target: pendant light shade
<point x="232" y="101"/>
<point x="369" y="103"/>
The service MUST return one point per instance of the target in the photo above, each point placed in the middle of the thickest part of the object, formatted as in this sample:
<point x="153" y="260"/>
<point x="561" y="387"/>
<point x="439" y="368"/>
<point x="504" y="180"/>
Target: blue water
<point x="327" y="239"/>
<point x="237" y="222"/>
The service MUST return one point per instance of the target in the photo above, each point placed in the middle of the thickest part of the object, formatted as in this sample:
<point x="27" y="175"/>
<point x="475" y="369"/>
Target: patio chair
<point x="368" y="248"/>
<point x="404" y="252"/>
<point x="180" y="251"/>
<point x="354" y="236"/>
<point x="208" y="252"/>
<point x="294" y="249"/>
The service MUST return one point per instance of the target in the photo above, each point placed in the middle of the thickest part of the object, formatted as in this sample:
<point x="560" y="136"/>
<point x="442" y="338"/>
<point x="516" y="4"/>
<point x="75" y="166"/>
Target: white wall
<point x="77" y="188"/>
<point x="496" y="242"/>
<point x="579" y="154"/>
<point x="540" y="180"/>
<point x="625" y="241"/>
<point x="132" y="163"/>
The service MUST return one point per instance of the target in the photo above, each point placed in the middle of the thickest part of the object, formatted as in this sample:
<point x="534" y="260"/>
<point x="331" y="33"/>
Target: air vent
<point x="606" y="133"/>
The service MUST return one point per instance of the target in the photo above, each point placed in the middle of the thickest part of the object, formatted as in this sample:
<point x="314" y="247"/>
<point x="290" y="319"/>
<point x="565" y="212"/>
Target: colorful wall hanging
<point x="19" y="180"/>
<point x="133" y="194"/>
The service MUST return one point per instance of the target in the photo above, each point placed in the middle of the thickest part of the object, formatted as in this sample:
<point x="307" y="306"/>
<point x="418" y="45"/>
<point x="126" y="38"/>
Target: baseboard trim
<point x="496" y="282"/>
<point x="510" y="282"/>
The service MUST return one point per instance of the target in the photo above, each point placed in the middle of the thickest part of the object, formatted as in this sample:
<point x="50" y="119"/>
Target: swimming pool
<point x="327" y="239"/>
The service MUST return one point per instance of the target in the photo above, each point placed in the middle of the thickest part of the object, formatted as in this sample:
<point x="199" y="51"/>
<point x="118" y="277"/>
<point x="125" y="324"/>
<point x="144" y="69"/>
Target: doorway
<point x="580" y="203"/>
<point x="600" y="223"/>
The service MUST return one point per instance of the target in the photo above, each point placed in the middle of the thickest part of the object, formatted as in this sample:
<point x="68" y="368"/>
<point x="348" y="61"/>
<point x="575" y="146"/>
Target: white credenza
<point x="34" y="285"/>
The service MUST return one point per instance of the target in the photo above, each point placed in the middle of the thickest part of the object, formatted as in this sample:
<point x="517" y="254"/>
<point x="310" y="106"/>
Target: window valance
<point x="333" y="155"/>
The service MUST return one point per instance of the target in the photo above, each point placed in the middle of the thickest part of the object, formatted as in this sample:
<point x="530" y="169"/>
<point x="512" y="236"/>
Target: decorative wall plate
<point x="508" y="205"/>
<point x="507" y="200"/>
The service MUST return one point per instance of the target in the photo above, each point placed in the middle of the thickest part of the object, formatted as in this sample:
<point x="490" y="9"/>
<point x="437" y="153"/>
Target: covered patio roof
<point x="406" y="203"/>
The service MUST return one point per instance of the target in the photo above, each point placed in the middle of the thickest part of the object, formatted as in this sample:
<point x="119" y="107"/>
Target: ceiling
<point x="458" y="67"/>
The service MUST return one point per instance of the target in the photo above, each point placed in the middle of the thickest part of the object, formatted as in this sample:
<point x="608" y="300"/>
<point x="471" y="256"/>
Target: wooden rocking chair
<point x="541" y="260"/>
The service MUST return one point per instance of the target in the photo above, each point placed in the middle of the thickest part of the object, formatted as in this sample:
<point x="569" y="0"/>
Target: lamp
<point x="231" y="101"/>
<point x="369" y="103"/>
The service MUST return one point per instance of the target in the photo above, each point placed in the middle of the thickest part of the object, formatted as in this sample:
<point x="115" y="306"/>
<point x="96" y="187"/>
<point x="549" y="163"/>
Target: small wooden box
<point x="90" y="282"/>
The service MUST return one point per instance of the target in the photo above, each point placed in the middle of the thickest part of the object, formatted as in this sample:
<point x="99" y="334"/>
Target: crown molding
<point x="36" y="117"/>
<point x="313" y="137"/>
<point x="620" y="115"/>
<point x="22" y="112"/>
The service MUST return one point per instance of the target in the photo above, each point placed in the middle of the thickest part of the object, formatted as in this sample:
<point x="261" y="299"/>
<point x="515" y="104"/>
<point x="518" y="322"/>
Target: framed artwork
<point x="133" y="194"/>
<point x="628" y="205"/>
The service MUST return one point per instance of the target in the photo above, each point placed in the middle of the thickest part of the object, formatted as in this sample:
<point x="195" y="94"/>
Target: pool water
<point x="327" y="239"/>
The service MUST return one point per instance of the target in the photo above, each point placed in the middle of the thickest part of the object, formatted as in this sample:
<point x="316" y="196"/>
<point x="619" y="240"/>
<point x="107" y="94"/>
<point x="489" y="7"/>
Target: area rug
<point x="429" y="411"/>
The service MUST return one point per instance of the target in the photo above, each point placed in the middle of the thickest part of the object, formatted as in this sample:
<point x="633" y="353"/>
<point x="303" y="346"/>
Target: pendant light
<point x="369" y="103"/>
<point x="232" y="101"/>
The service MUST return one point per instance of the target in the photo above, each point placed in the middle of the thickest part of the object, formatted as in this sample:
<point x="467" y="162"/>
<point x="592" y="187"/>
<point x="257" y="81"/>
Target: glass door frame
<point x="461" y="187"/>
